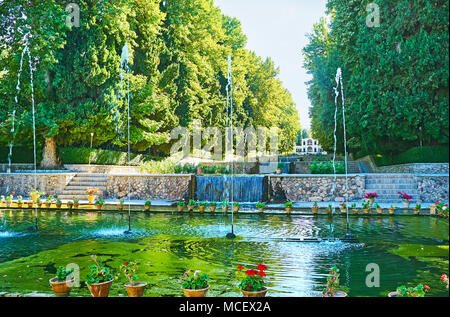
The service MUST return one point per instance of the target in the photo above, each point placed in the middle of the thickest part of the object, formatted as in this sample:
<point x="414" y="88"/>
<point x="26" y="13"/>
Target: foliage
<point x="395" y="85"/>
<point x="195" y="280"/>
<point x="93" y="191"/>
<point x="99" y="274"/>
<point x="371" y="195"/>
<point x="253" y="280"/>
<point x="366" y="204"/>
<point x="418" y="291"/>
<point x="420" y="154"/>
<point x="288" y="204"/>
<point x="180" y="203"/>
<point x="405" y="196"/>
<point x="192" y="202"/>
<point x="332" y="282"/>
<point x="166" y="166"/>
<point x="72" y="155"/>
<point x="260" y="204"/>
<point x="202" y="203"/>
<point x="148" y="203"/>
<point x="49" y="199"/>
<point x="99" y="200"/>
<point x="326" y="167"/>
<point x="129" y="271"/>
<point x="62" y="273"/>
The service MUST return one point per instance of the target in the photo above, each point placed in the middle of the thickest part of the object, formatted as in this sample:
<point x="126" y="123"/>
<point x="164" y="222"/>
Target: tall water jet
<point x="337" y="92"/>
<point x="229" y="124"/>
<point x="124" y="61"/>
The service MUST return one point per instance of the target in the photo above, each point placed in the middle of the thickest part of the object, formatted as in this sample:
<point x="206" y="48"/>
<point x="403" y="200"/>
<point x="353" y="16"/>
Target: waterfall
<point x="215" y="188"/>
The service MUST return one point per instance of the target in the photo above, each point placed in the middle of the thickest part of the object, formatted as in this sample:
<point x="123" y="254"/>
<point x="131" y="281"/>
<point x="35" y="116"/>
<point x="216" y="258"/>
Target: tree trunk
<point x="50" y="159"/>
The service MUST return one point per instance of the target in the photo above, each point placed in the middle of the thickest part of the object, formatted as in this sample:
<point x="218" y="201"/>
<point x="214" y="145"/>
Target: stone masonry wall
<point x="22" y="184"/>
<point x="316" y="188"/>
<point x="415" y="168"/>
<point x="152" y="187"/>
<point x="433" y="188"/>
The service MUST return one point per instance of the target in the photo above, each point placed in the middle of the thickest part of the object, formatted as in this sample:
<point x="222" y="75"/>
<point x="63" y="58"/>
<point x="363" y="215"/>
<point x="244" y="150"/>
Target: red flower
<point x="251" y="272"/>
<point x="261" y="274"/>
<point x="126" y="263"/>
<point x="426" y="287"/>
<point x="240" y="267"/>
<point x="262" y="267"/>
<point x="13" y="193"/>
<point x="444" y="276"/>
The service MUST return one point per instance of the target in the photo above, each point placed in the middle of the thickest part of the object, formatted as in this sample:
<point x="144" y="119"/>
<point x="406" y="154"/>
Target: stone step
<point x="393" y="192"/>
<point x="392" y="186"/>
<point x="398" y="175"/>
<point x="87" y="184"/>
<point x="390" y="181"/>
<point x="67" y="196"/>
<point x="90" y="179"/>
<point x="81" y="187"/>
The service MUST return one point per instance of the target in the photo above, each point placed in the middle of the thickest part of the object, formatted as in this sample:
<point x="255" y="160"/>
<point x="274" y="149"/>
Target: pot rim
<point x="197" y="290"/>
<point x="263" y="290"/>
<point x="103" y="283"/>
<point x="54" y="280"/>
<point x="137" y="285"/>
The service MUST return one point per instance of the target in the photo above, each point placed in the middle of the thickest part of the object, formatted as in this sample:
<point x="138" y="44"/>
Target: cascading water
<point x="124" y="61"/>
<point x="245" y="188"/>
<point x="337" y="92"/>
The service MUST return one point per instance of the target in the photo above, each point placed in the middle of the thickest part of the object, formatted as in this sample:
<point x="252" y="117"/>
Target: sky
<point x="277" y="29"/>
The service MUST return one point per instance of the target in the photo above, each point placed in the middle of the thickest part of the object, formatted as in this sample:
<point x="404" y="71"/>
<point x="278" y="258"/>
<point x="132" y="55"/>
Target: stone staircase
<point x="387" y="186"/>
<point x="353" y="167"/>
<point x="80" y="182"/>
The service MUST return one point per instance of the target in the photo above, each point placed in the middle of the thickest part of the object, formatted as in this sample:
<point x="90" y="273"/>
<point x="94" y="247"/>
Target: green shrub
<point x="166" y="166"/>
<point x="101" y="157"/>
<point x="20" y="155"/>
<point x="326" y="168"/>
<point x="425" y="154"/>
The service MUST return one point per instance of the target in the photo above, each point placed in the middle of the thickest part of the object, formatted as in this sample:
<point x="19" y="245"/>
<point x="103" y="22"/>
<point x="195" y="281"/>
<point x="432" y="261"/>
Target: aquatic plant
<point x="253" y="280"/>
<point x="195" y="280"/>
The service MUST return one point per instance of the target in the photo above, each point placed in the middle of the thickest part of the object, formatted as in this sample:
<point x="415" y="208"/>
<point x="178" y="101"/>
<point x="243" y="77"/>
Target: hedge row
<point x="425" y="154"/>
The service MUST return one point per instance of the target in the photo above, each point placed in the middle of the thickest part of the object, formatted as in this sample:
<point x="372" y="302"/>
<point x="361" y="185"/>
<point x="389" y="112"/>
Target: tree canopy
<point x="395" y="75"/>
<point x="178" y="70"/>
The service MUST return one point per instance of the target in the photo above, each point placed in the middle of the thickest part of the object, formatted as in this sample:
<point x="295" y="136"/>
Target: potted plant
<point x="35" y="194"/>
<point x="9" y="199"/>
<point x="202" y="205"/>
<point x="99" y="202"/>
<point x="212" y="206"/>
<point x="403" y="291"/>
<point x="49" y="201"/>
<point x="195" y="284"/>
<point x="134" y="289"/>
<point x="70" y="204"/>
<point x="58" y="203"/>
<point x="433" y="208"/>
<point x="225" y="204"/>
<point x="99" y="279"/>
<point x="121" y="204"/>
<point x="366" y="207"/>
<point x="371" y="197"/>
<point x="191" y="204"/>
<point x="76" y="202"/>
<point x="329" y="210"/>
<point x="343" y="207"/>
<point x="260" y="205"/>
<point x="252" y="284"/>
<point x="180" y="205"/>
<point x="379" y="209"/>
<point x="406" y="199"/>
<point x="442" y="209"/>
<point x="417" y="208"/>
<point x="39" y="202"/>
<point x="61" y="285"/>
<point x="199" y="170"/>
<point x="92" y="193"/>
<point x="391" y="210"/>
<point x="288" y="206"/>
<point x="332" y="286"/>
<point x="444" y="278"/>
<point x="148" y="204"/>
<point x="236" y="206"/>
<point x="19" y="201"/>
<point x="280" y="167"/>
<point x="315" y="208"/>
<point x="30" y="203"/>
<point x="354" y="209"/>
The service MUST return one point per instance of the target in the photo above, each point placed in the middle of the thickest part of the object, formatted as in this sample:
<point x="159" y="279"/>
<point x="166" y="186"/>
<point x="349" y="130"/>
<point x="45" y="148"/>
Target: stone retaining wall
<point x="315" y="188"/>
<point x="151" y="187"/>
<point x="22" y="184"/>
<point x="415" y="168"/>
<point x="433" y="188"/>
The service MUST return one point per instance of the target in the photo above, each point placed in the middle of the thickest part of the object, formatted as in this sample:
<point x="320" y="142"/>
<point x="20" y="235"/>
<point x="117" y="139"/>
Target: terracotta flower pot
<point x="225" y="209"/>
<point x="190" y="207"/>
<point x="288" y="209"/>
<point x="39" y="205"/>
<point x="379" y="211"/>
<point x="278" y="171"/>
<point x="343" y="210"/>
<point x="91" y="198"/>
<point x="120" y="206"/>
<point x="8" y="204"/>
<point x="315" y="210"/>
<point x="30" y="205"/>
<point x="101" y="289"/>
<point x="432" y="209"/>
<point x="136" y="290"/>
<point x="355" y="211"/>
<point x="236" y="209"/>
<point x="76" y="206"/>
<point x="61" y="289"/>
<point x="58" y="205"/>
<point x="180" y="208"/>
<point x="201" y="208"/>
<point x="391" y="211"/>
<point x="393" y="294"/>
<point x="212" y="208"/>
<point x="329" y="211"/>
<point x="195" y="292"/>
<point x="19" y="205"/>
<point x="261" y="293"/>
<point x="366" y="211"/>
<point x="147" y="207"/>
<point x="336" y="294"/>
<point x="261" y="210"/>
<point x="99" y="206"/>
<point x="416" y="211"/>
<point x="371" y="200"/>
<point x="47" y="205"/>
